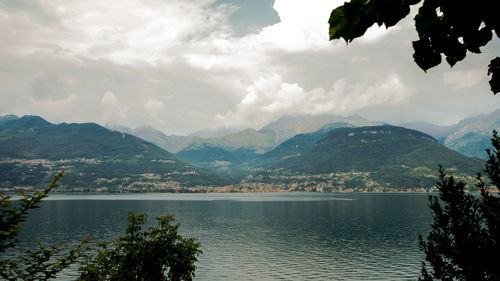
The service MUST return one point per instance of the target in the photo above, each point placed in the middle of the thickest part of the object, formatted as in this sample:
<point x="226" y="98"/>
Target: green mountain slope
<point x="216" y="157"/>
<point x="248" y="138"/>
<point x="295" y="146"/>
<point x="387" y="155"/>
<point x="289" y="126"/>
<point x="235" y="149"/>
<point x="474" y="138"/>
<point x="229" y="150"/>
<point x="472" y="144"/>
<point x="471" y="136"/>
<point x="438" y="132"/>
<point x="93" y="157"/>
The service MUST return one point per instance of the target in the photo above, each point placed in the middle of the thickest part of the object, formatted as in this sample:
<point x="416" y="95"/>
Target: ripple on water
<point x="263" y="237"/>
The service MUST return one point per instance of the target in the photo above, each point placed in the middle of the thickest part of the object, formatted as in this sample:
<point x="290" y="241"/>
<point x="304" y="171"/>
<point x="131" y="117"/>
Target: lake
<point x="260" y="236"/>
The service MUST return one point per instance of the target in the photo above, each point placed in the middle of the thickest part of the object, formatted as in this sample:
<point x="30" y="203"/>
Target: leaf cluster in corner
<point x="352" y="19"/>
<point x="444" y="27"/>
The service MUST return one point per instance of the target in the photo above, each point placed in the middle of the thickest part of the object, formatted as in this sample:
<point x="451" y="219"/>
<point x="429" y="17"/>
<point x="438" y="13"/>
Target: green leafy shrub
<point x="158" y="254"/>
<point x="42" y="263"/>
<point x="464" y="241"/>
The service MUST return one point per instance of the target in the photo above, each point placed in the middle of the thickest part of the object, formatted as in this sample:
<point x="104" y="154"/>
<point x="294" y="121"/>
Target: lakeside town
<point x="272" y="181"/>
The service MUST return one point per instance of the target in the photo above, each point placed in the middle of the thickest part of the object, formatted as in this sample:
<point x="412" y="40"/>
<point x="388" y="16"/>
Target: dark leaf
<point x="455" y="52"/>
<point x="391" y="12"/>
<point x="439" y="25"/>
<point x="494" y="71"/>
<point x="425" y="57"/>
<point x="337" y="23"/>
<point x="351" y="20"/>
<point x="473" y="40"/>
<point x="425" y="21"/>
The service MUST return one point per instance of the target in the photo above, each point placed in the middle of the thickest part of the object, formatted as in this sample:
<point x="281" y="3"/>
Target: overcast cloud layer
<point x="181" y="66"/>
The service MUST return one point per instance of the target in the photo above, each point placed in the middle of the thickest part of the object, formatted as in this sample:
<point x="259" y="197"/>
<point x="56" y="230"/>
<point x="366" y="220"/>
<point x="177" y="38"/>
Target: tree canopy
<point x="464" y="241"/>
<point x="445" y="27"/>
<point x="158" y="254"/>
<point x="40" y="263"/>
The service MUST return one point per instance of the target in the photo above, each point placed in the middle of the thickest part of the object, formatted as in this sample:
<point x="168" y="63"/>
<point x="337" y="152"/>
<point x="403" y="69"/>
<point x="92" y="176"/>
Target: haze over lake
<point x="270" y="236"/>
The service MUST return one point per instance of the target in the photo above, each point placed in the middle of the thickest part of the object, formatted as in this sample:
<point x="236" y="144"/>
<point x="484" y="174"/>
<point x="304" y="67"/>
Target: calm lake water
<point x="270" y="236"/>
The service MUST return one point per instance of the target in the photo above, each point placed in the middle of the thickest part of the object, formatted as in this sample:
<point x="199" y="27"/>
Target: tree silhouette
<point x="464" y="241"/>
<point x="42" y="263"/>
<point x="158" y="254"/>
<point x="447" y="27"/>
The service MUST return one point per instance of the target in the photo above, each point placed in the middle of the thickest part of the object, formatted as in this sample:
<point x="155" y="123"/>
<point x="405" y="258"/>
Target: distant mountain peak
<point x="390" y="155"/>
<point x="26" y="121"/>
<point x="32" y="149"/>
<point x="289" y="126"/>
<point x="7" y="118"/>
<point x="216" y="132"/>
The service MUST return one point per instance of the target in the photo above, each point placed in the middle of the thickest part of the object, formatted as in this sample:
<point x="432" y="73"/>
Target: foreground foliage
<point x="444" y="27"/>
<point x="464" y="242"/>
<point x="40" y="264"/>
<point x="158" y="254"/>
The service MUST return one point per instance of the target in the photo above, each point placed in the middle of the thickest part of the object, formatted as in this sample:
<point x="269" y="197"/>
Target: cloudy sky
<point x="180" y="66"/>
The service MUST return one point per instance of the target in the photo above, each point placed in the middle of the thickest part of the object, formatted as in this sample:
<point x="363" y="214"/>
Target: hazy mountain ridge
<point x="438" y="132"/>
<point x="473" y="139"/>
<point x="214" y="133"/>
<point x="32" y="149"/>
<point x="221" y="143"/>
<point x="96" y="157"/>
<point x="366" y="148"/>
<point x="235" y="149"/>
<point x="386" y="156"/>
<point x="442" y="132"/>
<point x="295" y="146"/>
<point x="289" y="126"/>
<point x="171" y="143"/>
<point x="248" y="138"/>
<point x="229" y="150"/>
<point x="471" y="136"/>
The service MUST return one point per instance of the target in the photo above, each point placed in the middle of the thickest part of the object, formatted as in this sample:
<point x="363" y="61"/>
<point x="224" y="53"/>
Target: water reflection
<point x="263" y="236"/>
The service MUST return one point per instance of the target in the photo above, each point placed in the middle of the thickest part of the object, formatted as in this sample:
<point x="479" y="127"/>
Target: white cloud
<point x="375" y="33"/>
<point x="269" y="97"/>
<point x="55" y="105"/>
<point x="104" y="61"/>
<point x="131" y="31"/>
<point x="112" y="110"/>
<point x="109" y="99"/>
<point x="155" y="108"/>
<point x="303" y="27"/>
<point x="464" y="79"/>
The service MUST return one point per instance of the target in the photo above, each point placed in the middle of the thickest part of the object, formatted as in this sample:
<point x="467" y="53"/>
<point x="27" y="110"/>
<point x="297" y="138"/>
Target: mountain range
<point x="295" y="146"/>
<point x="224" y="147"/>
<point x="236" y="149"/>
<point x="170" y="143"/>
<point x="92" y="156"/>
<point x="386" y="155"/>
<point x="315" y="149"/>
<point x="471" y="136"/>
